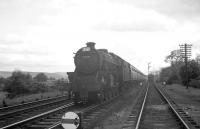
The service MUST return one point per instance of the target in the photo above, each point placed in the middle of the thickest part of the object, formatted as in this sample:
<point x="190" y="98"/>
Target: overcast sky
<point x="41" y="35"/>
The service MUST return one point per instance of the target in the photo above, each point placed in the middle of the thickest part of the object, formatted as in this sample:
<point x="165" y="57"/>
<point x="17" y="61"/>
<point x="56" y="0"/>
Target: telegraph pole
<point x="186" y="54"/>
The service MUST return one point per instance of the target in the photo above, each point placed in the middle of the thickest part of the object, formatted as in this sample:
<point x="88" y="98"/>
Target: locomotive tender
<point x="100" y="75"/>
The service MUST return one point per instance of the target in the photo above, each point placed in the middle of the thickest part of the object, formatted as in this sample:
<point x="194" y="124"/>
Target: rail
<point x="185" y="125"/>
<point x="17" y="124"/>
<point x="29" y="103"/>
<point x="173" y="109"/>
<point x="84" y="112"/>
<point x="142" y="108"/>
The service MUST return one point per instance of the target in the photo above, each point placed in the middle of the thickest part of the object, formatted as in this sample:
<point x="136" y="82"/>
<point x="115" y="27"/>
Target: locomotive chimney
<point x="91" y="45"/>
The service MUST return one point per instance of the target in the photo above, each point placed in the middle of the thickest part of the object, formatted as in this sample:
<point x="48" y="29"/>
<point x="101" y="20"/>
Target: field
<point x="27" y="98"/>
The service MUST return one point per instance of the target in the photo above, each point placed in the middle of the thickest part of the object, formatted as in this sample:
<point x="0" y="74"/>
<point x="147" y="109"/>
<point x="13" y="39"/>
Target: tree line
<point x="176" y="72"/>
<point x="23" y="83"/>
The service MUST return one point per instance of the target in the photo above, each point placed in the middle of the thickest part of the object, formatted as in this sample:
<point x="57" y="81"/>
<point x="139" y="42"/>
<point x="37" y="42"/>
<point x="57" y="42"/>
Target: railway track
<point x="180" y="111"/>
<point x="156" y="113"/>
<point x="52" y="119"/>
<point x="12" y="116"/>
<point x="29" y="122"/>
<point x="47" y="115"/>
<point x="153" y="109"/>
<point x="156" y="110"/>
<point x="190" y="104"/>
<point x="91" y="114"/>
<point x="13" y="108"/>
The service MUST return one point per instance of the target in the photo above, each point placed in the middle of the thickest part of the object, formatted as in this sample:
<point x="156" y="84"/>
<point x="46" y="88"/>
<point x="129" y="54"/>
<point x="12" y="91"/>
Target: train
<point x="101" y="75"/>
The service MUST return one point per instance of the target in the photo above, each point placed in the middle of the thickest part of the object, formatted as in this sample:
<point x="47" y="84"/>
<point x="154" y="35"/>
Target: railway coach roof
<point x="138" y="71"/>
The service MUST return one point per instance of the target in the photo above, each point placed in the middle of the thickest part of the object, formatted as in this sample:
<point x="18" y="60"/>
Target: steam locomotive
<point x="100" y="75"/>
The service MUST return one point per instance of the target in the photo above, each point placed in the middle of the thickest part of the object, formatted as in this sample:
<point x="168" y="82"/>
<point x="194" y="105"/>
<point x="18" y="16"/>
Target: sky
<point x="42" y="35"/>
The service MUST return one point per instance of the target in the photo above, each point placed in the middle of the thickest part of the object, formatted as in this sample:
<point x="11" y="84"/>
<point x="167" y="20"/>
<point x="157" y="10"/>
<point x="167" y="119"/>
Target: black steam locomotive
<point x="100" y="75"/>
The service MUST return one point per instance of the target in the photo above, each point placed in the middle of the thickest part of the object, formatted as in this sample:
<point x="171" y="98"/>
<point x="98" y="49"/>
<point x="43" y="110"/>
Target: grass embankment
<point x="27" y="98"/>
<point x="182" y="89"/>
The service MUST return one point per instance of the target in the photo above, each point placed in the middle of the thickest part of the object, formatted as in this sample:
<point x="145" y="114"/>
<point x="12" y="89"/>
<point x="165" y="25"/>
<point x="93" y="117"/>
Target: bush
<point x="195" y="83"/>
<point x="38" y="87"/>
<point x="41" y="77"/>
<point x="2" y="83"/>
<point x="172" y="79"/>
<point x="17" y="84"/>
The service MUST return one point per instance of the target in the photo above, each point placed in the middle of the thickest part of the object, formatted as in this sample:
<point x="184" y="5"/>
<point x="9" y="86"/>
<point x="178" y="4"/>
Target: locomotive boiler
<point x="100" y="75"/>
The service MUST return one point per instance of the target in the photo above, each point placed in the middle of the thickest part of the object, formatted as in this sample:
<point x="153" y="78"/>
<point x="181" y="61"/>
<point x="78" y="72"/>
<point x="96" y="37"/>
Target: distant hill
<point x="56" y="75"/>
